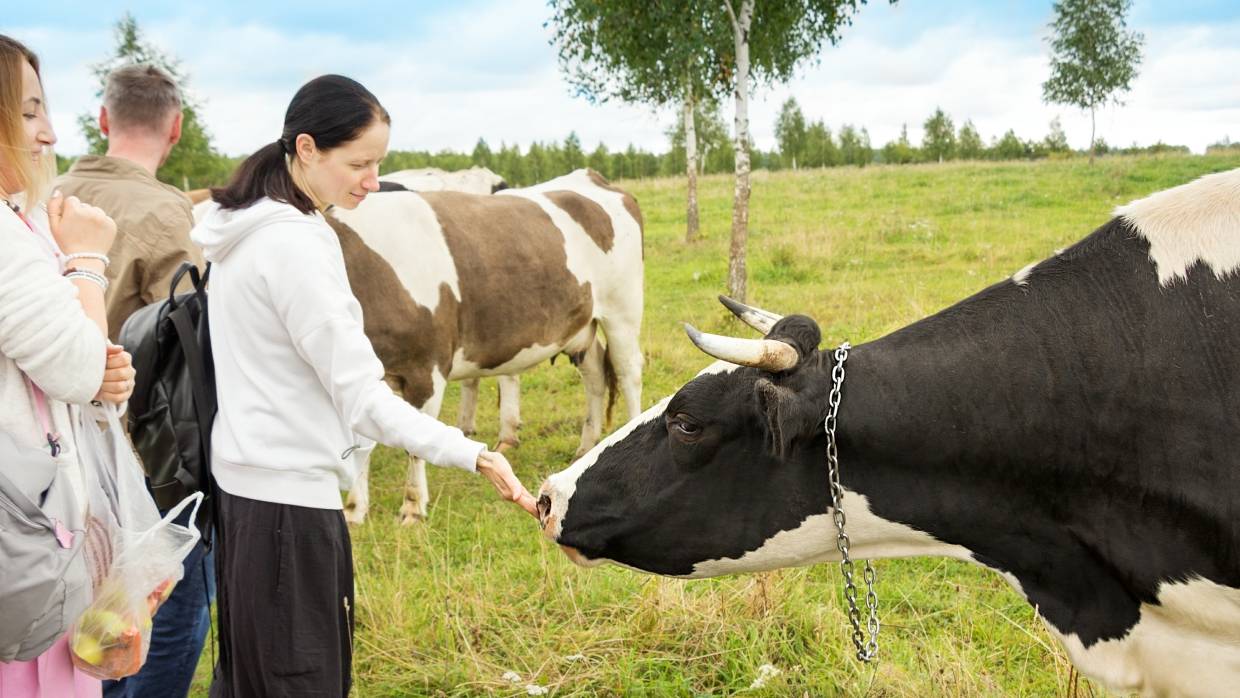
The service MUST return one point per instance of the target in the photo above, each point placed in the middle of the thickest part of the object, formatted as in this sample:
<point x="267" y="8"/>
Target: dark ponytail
<point x="331" y="109"/>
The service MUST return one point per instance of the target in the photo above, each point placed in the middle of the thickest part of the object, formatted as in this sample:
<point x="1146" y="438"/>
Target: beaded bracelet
<point x="89" y="255"/>
<point x="98" y="279"/>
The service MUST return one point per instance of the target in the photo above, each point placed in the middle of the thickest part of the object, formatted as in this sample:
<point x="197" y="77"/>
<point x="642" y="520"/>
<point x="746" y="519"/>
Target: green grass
<point x="447" y="607"/>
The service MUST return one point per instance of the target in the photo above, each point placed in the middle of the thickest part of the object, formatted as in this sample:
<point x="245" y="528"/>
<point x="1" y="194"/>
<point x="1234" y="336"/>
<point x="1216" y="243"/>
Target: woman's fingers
<point x="527" y="502"/>
<point x="118" y="376"/>
<point x="498" y="470"/>
<point x="518" y="494"/>
<point x="122" y="374"/>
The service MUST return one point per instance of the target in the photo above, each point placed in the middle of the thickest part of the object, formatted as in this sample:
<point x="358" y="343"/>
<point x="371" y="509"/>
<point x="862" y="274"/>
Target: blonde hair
<point x="33" y="180"/>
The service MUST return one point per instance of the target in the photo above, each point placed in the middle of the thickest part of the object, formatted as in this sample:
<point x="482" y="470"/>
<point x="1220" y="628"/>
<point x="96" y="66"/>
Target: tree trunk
<point x="1092" y="140"/>
<point x="737" y="276"/>
<point x="691" y="169"/>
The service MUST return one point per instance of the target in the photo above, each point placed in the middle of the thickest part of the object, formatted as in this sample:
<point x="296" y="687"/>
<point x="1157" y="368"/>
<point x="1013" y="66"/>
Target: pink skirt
<point x="50" y="675"/>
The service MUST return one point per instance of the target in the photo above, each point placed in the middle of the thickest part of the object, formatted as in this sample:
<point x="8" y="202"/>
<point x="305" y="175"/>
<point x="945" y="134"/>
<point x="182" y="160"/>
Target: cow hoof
<point x="412" y="519"/>
<point x="505" y="446"/>
<point x="353" y="516"/>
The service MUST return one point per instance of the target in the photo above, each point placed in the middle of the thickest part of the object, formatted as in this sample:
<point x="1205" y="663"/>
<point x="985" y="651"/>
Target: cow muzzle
<point x="544" y="510"/>
<point x="550" y="519"/>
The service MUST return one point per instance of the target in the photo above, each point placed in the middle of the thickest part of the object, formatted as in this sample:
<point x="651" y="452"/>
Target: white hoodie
<point x="301" y="392"/>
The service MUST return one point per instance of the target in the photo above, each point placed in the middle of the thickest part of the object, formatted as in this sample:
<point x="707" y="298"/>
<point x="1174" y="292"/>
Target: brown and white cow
<point x="457" y="286"/>
<point x="475" y="180"/>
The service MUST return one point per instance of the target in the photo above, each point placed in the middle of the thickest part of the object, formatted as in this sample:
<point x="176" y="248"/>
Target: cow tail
<point x="609" y="376"/>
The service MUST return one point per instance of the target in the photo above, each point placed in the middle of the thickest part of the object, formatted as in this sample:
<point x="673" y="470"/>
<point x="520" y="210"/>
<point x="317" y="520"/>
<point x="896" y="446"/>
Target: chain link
<point x="867" y="649"/>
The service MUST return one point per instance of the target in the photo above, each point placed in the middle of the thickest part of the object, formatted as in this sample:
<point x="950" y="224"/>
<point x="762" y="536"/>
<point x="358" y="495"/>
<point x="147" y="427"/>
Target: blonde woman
<point x="53" y="332"/>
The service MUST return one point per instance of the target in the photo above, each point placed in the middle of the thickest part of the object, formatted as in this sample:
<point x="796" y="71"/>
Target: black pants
<point x="285" y="601"/>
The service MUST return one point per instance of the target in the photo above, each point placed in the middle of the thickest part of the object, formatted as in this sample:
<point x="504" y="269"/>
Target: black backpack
<point x="173" y="403"/>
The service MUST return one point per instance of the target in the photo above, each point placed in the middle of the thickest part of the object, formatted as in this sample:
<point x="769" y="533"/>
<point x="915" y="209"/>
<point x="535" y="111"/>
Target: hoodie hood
<point x="219" y="230"/>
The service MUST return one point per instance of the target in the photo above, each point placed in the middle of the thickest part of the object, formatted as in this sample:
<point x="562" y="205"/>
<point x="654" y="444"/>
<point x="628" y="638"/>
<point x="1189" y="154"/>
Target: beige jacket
<point x="153" y="221"/>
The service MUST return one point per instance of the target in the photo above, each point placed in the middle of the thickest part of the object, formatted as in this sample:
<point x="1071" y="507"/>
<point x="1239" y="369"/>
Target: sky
<point x="451" y="72"/>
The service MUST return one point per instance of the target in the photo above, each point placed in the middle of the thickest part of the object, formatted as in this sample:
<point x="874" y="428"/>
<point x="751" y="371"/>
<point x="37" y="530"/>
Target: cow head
<point x="732" y="460"/>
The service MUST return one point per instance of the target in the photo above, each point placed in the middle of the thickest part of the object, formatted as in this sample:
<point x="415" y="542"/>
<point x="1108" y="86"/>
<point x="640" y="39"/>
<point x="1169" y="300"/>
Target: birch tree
<point x="668" y="52"/>
<point x="1094" y="56"/>
<point x="653" y="53"/>
<point x="768" y="44"/>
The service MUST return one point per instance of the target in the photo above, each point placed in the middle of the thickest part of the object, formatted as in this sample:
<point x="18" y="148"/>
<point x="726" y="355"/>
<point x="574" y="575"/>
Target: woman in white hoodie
<point x="301" y="398"/>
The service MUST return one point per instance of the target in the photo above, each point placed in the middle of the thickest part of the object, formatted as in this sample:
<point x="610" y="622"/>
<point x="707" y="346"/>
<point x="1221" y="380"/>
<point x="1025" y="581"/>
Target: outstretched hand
<point x="497" y="469"/>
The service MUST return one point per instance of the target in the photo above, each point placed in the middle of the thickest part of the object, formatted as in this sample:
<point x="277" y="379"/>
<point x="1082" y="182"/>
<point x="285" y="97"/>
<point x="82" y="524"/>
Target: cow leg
<point x="358" y="504"/>
<point x="417" y="493"/>
<point x="509" y="412"/>
<point x="466" y="418"/>
<point x="595" y="382"/>
<point x="626" y="360"/>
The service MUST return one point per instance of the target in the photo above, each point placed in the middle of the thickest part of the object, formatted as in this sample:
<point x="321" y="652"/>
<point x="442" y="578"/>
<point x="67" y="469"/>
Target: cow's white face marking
<point x="563" y="484"/>
<point x="1187" y="644"/>
<point x="871" y="536"/>
<point x="1195" y="222"/>
<point x="402" y="229"/>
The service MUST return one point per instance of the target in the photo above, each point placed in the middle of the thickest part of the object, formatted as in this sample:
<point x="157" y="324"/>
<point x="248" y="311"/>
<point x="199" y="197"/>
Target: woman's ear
<point x="305" y="147"/>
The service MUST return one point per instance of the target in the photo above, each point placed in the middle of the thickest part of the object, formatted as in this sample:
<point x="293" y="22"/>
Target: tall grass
<point x="448" y="607"/>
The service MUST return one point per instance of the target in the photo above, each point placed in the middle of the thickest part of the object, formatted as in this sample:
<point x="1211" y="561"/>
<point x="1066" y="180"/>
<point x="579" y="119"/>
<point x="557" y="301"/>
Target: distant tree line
<point x="800" y="143"/>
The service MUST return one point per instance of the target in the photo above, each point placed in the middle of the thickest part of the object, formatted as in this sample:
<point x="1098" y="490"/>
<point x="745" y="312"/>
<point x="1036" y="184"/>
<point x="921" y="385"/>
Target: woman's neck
<point x="299" y="179"/>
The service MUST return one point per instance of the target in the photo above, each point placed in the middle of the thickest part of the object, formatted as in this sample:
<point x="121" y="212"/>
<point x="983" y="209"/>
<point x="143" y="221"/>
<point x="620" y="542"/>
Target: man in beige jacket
<point x="141" y="116"/>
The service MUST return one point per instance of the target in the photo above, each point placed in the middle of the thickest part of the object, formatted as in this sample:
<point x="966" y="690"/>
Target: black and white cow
<point x="1075" y="428"/>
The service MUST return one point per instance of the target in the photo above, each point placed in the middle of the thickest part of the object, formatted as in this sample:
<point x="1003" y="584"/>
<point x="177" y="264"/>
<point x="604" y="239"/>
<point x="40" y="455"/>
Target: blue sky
<point x="451" y="72"/>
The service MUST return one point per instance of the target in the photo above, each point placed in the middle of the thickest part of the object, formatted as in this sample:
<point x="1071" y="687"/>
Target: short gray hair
<point x="140" y="95"/>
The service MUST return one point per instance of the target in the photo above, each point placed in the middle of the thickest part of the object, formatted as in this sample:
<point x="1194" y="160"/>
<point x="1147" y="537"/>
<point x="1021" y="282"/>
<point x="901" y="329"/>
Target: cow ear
<point x="780" y="406"/>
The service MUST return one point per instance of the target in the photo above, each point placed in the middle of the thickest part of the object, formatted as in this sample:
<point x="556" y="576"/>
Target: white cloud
<point x="1185" y="93"/>
<point x="492" y="74"/>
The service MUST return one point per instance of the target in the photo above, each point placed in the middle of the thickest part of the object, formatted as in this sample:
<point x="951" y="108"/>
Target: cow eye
<point x="683" y="427"/>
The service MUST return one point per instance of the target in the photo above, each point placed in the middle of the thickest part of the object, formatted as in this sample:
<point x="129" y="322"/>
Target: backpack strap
<point x="197" y="375"/>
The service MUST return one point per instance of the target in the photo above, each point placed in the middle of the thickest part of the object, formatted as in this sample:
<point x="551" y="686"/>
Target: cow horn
<point x="766" y="354"/>
<point x="756" y="318"/>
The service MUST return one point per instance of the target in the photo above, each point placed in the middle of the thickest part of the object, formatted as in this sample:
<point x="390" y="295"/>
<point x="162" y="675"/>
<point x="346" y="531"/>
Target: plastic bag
<point x="135" y="555"/>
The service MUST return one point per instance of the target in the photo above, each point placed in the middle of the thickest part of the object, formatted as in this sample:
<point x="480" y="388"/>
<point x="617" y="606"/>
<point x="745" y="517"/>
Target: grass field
<point x="448" y="607"/>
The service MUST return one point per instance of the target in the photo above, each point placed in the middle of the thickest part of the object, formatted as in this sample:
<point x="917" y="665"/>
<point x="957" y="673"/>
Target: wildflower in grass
<point x="512" y="677"/>
<point x="766" y="672"/>
<point x="575" y="658"/>
<point x="536" y="690"/>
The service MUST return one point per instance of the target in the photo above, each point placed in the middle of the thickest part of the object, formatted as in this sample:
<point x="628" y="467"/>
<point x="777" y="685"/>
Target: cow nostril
<point x="544" y="507"/>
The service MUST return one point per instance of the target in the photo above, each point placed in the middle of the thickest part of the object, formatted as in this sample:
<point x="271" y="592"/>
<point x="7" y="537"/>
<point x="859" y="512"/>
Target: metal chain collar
<point x="867" y="650"/>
